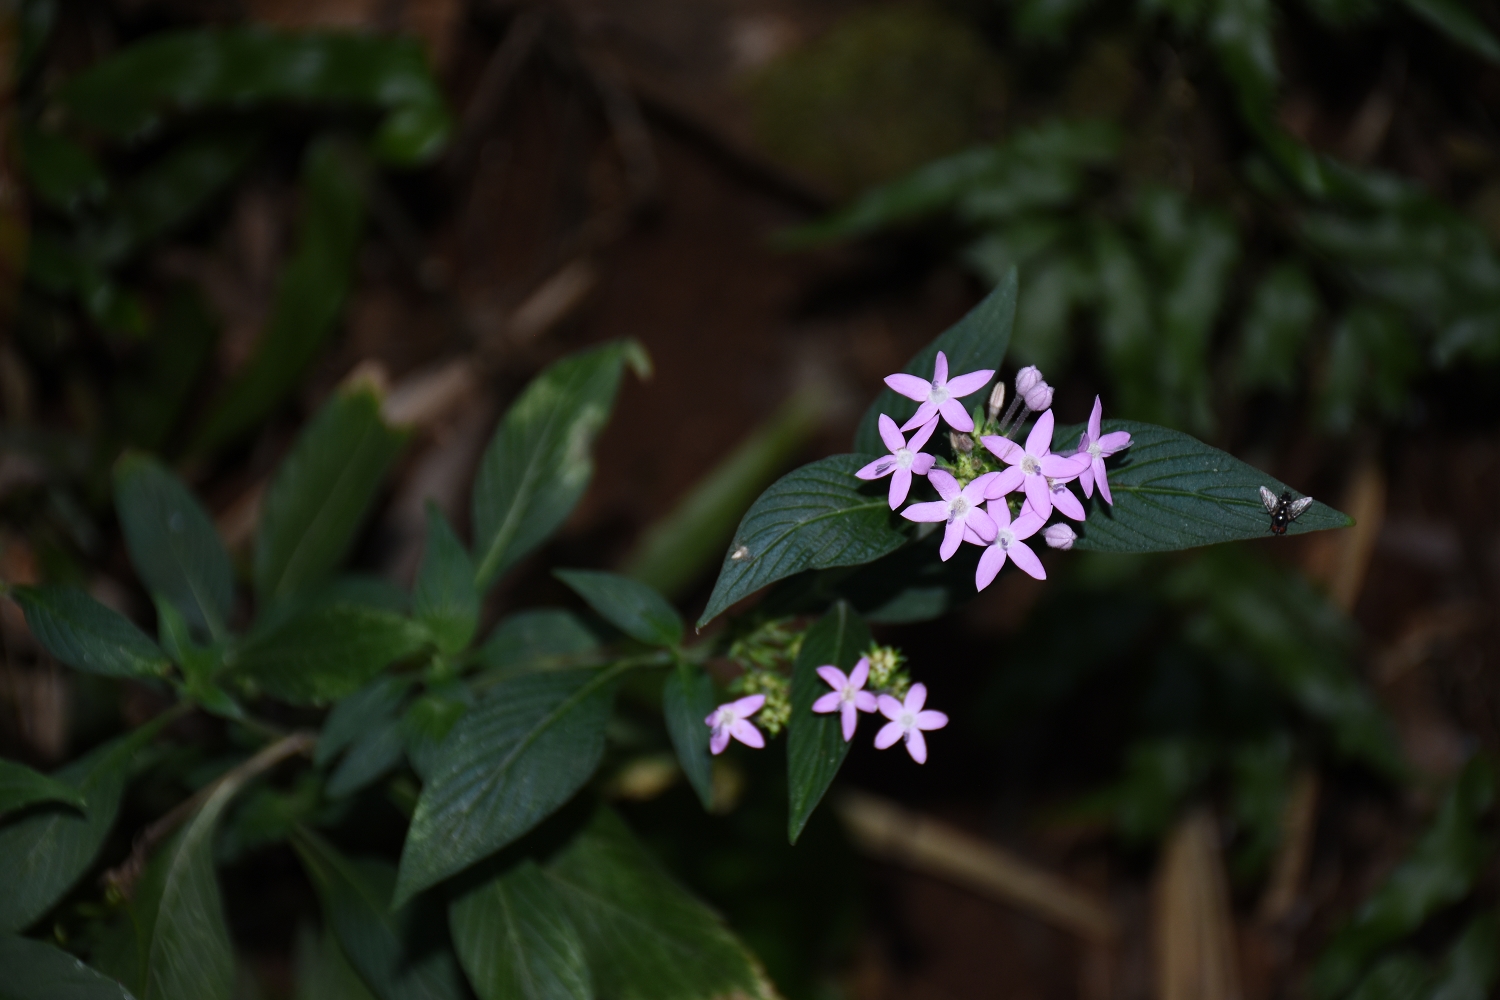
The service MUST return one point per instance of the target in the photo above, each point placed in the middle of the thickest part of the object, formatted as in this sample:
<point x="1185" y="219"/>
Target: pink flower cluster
<point x="978" y="512"/>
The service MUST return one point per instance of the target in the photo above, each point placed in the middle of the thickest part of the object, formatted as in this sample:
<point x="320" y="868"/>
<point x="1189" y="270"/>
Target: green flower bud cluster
<point x="887" y="673"/>
<point x="777" y="688"/>
<point x="772" y="645"/>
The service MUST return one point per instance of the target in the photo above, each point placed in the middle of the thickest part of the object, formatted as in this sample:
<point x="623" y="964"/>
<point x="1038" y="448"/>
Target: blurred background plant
<point x="1270" y="224"/>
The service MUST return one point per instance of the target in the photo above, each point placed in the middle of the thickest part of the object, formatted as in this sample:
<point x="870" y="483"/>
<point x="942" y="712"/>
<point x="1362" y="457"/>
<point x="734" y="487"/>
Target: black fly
<point x="1283" y="509"/>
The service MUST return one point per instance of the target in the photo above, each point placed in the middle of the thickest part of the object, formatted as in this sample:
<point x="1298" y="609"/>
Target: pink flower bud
<point x="1059" y="536"/>
<point x="1038" y="397"/>
<point x="1026" y="378"/>
<point x="997" y="400"/>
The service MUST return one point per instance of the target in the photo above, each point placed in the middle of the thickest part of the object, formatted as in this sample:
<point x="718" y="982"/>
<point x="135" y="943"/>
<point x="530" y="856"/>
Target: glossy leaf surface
<point x="36" y="970"/>
<point x="516" y="941"/>
<point x="445" y="599"/>
<point x="687" y="698"/>
<point x="632" y="607"/>
<point x="536" y="640"/>
<point x="20" y="786"/>
<point x="88" y="636"/>
<point x="815" y="742"/>
<point x="326" y="652"/>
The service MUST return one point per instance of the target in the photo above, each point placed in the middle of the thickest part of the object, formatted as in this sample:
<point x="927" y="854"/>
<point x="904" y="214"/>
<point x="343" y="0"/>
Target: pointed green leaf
<point x="44" y="852"/>
<point x="318" y="501"/>
<point x="814" y="517"/>
<point x="399" y="952"/>
<point x="173" y="542"/>
<point x="88" y="636"/>
<point x="323" y="972"/>
<point x="516" y="942"/>
<point x="20" y="786"/>
<point x="633" y="608"/>
<point x="368" y="725"/>
<point x="1460" y="23"/>
<point x="200" y="664"/>
<point x="977" y="341"/>
<point x="540" y="460"/>
<point x="507" y="765"/>
<point x="445" y="599"/>
<point x="1172" y="491"/>
<point x="428" y="721"/>
<point x="325" y="652"/>
<point x="645" y="937"/>
<point x="815" y="748"/>
<point x="537" y="640"/>
<point x="35" y="970"/>
<point x="1472" y="965"/>
<point x="687" y="698"/>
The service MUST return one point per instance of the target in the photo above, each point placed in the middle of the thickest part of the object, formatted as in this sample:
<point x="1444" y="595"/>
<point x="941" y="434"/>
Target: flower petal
<point x="900" y="486"/>
<point x="718" y="741"/>
<point x="865" y="701"/>
<point x="943" y="481"/>
<point x="982" y="523"/>
<point x="922" y="434"/>
<point x="1086" y="479"/>
<point x="747" y="734"/>
<point x="940" y="369"/>
<point x="958" y="418"/>
<point x="1008" y="481"/>
<point x="1022" y="556"/>
<point x="930" y="720"/>
<point x="953" y="537"/>
<point x="1064" y="500"/>
<point x="933" y="510"/>
<point x="833" y="676"/>
<point x="1039" y="441"/>
<point x="880" y="467"/>
<point x="1064" y="468"/>
<point x="916" y="697"/>
<point x="916" y="745"/>
<point x="860" y="673"/>
<point x="1094" y="419"/>
<point x="889" y="434"/>
<point x="989" y="566"/>
<point x="922" y="464"/>
<point x="849" y="716"/>
<point x="1103" y="481"/>
<point x="979" y="486"/>
<point x="828" y="703"/>
<point x="888" y="735"/>
<point x="1114" y="441"/>
<point x="1026" y="523"/>
<point x="909" y="386"/>
<point x="963" y="385"/>
<point x="999" y="512"/>
<point x="1039" y="496"/>
<point x="889" y="707"/>
<point x="926" y="413"/>
<point x="748" y="705"/>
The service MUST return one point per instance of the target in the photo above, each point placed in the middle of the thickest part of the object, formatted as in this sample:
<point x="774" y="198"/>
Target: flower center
<point x="1095" y="449"/>
<point x="1004" y="537"/>
<point x="958" y="509"/>
<point x="904" y="458"/>
<point x="907" y="720"/>
<point x="938" y="396"/>
<point x="848" y="693"/>
<point x="1031" y="466"/>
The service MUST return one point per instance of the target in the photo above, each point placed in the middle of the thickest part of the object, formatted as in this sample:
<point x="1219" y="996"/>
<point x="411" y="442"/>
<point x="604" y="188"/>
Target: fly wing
<point x="1297" y="506"/>
<point x="1269" y="499"/>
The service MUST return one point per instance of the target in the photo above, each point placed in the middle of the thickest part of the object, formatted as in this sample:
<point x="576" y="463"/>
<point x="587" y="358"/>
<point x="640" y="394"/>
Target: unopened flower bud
<point x="1038" y="397"/>
<point x="962" y="443"/>
<point x="1060" y="536"/>
<point x="1026" y="378"/>
<point x="997" y="400"/>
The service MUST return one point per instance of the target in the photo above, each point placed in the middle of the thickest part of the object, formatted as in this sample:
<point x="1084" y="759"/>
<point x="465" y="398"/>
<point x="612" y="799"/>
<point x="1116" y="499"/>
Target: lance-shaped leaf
<point x="632" y="607"/>
<point x="128" y="95"/>
<point x="1472" y="965"/>
<point x="310" y="296"/>
<point x="536" y="640"/>
<point x="318" y="501"/>
<point x="323" y="971"/>
<point x="368" y="725"/>
<point x="1460" y="23"/>
<point x="20" y="786"/>
<point x="645" y="937"/>
<point x="815" y="747"/>
<point x="36" y="970"/>
<point x="977" y="341"/>
<point x="507" y="765"/>
<point x="43" y="853"/>
<point x="1172" y="491"/>
<point x="325" y="652"/>
<point x="1439" y="872"/>
<point x="814" y="517"/>
<point x="398" y="951"/>
<point x="516" y="941"/>
<point x="445" y="599"/>
<point x="173" y="542"/>
<point x="88" y="636"/>
<point x="540" y="461"/>
<point x="687" y="698"/>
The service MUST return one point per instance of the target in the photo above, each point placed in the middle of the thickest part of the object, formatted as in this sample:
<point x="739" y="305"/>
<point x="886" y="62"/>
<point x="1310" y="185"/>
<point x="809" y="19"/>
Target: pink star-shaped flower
<point x="1032" y="466"/>
<point x="941" y="395"/>
<point x="905" y="460"/>
<point x="733" y="719"/>
<point x="1008" y="543"/>
<point x="907" y="722"/>
<point x="961" y="508"/>
<point x="848" y="696"/>
<point x="1098" y="447"/>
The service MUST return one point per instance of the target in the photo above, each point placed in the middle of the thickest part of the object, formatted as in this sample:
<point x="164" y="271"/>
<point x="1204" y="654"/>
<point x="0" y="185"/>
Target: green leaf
<point x="318" y="500"/>
<point x="815" y="748"/>
<point x="200" y="664"/>
<point x="445" y="599"/>
<point x="539" y="462"/>
<point x="814" y="517"/>
<point x="148" y="403"/>
<point x="399" y="951"/>
<point x="368" y="725"/>
<point x="1456" y="20"/>
<point x="1440" y="871"/>
<point x="1276" y="329"/>
<point x="323" y="972"/>
<point x="59" y="171"/>
<point x="631" y="607"/>
<point x="537" y="640"/>
<point x="1172" y="492"/>
<point x="645" y="937"/>
<point x="86" y="635"/>
<point x="428" y="721"/>
<point x="325" y="652"/>
<point x="35" y="970"/>
<point x="977" y="341"/>
<point x="173" y="542"/>
<point x="1402" y="976"/>
<point x="310" y="295"/>
<point x="507" y="765"/>
<point x="516" y="942"/>
<point x="128" y="95"/>
<point x="45" y="851"/>
<point x="20" y="786"/>
<point x="687" y="699"/>
<point x="1472" y="966"/>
